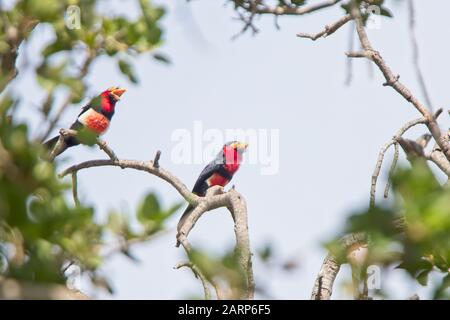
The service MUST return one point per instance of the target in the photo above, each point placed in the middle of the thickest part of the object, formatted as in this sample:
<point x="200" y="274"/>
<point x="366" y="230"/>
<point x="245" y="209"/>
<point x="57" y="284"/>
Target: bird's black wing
<point x="199" y="189"/>
<point x="201" y="186"/>
<point x="77" y="125"/>
<point x="94" y="104"/>
<point x="84" y="109"/>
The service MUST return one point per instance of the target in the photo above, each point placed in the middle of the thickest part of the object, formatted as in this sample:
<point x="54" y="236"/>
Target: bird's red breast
<point x="217" y="180"/>
<point x="94" y="121"/>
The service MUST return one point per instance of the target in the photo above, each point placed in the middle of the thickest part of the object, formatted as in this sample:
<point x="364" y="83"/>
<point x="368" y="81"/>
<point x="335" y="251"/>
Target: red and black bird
<point x="218" y="172"/>
<point x="95" y="116"/>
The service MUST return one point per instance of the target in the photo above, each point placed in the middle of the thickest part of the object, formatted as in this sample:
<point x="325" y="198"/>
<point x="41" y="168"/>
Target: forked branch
<point x="215" y="198"/>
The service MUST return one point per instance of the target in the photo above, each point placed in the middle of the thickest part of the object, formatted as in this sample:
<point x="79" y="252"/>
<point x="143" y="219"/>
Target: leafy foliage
<point x="424" y="245"/>
<point x="97" y="34"/>
<point x="222" y="269"/>
<point x="41" y="231"/>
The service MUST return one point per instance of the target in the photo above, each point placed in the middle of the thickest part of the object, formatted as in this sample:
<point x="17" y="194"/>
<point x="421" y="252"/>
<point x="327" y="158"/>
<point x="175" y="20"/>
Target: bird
<point x="218" y="172"/>
<point x="95" y="116"/>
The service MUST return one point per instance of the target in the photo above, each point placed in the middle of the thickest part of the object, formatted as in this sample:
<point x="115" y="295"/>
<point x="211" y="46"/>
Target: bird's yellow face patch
<point x="242" y="146"/>
<point x="116" y="92"/>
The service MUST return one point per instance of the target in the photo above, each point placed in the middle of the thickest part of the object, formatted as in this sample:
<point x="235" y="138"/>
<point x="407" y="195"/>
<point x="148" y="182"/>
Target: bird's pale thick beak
<point x="117" y="92"/>
<point x="242" y="146"/>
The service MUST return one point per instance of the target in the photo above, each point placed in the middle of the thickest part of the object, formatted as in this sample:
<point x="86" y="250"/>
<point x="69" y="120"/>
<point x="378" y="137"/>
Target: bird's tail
<point x="183" y="218"/>
<point x="50" y="145"/>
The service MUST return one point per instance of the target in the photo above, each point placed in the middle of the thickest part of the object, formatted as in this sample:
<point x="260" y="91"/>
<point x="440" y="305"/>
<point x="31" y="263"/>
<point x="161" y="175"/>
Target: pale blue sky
<point x="330" y="134"/>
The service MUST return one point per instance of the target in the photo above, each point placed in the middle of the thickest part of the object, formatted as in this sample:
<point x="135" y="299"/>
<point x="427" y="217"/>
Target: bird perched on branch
<point x="95" y="116"/>
<point x="218" y="172"/>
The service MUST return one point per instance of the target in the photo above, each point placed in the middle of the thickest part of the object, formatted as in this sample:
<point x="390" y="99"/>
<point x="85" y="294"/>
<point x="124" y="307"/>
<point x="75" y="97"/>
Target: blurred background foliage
<point x="42" y="233"/>
<point x="412" y="232"/>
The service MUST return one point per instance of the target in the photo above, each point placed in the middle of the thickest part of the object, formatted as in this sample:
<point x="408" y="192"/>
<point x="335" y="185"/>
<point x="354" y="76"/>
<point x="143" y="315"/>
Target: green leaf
<point x="386" y="12"/>
<point x="127" y="69"/>
<point x="161" y="57"/>
<point x="266" y="252"/>
<point x="169" y="212"/>
<point x="442" y="291"/>
<point x="149" y="210"/>
<point x="298" y="2"/>
<point x="422" y="277"/>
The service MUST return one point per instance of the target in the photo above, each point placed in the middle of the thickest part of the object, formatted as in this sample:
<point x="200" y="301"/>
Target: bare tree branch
<point x="146" y="166"/>
<point x="323" y="286"/>
<point x="156" y="160"/>
<point x="391" y="170"/>
<point x="440" y="154"/>
<point x="382" y="152"/>
<point x="217" y="287"/>
<point x="392" y="80"/>
<point x="197" y="274"/>
<point x="248" y="10"/>
<point x="215" y="198"/>
<point x="65" y="133"/>
<point x="248" y="23"/>
<point x="123" y="245"/>
<point x="328" y="30"/>
<point x="437" y="157"/>
<point x="75" y="189"/>
<point x="236" y="205"/>
<point x="262" y="8"/>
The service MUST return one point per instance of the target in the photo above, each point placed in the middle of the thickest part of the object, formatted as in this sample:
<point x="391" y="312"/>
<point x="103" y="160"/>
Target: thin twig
<point x="124" y="244"/>
<point x="156" y="160"/>
<point x="323" y="285"/>
<point x="219" y="294"/>
<point x="262" y="8"/>
<point x="59" y="146"/>
<point x="138" y="165"/>
<point x="103" y="146"/>
<point x="392" y="80"/>
<point x="382" y="152"/>
<point x="349" y="66"/>
<point x="391" y="170"/>
<point x="75" y="189"/>
<point x="249" y="9"/>
<point x="197" y="274"/>
<point x="66" y="133"/>
<point x="328" y="30"/>
<point x="248" y="23"/>
<point x="376" y="171"/>
<point x="415" y="50"/>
